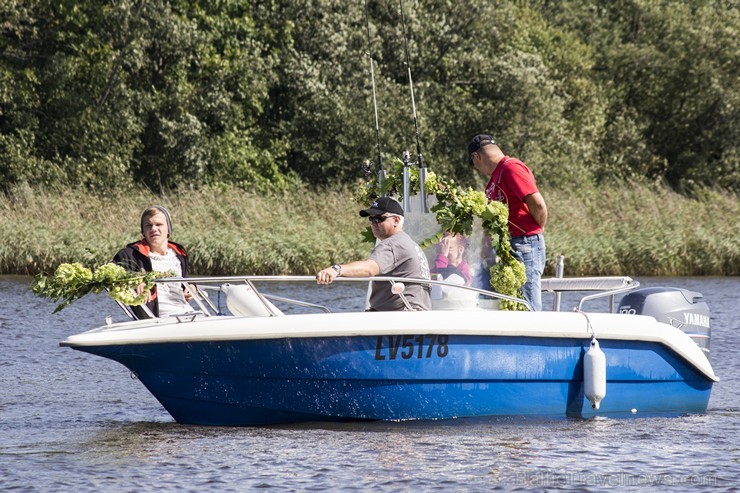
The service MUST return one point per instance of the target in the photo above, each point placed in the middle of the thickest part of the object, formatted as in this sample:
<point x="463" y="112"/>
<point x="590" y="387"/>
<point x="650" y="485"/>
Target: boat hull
<point x="403" y="377"/>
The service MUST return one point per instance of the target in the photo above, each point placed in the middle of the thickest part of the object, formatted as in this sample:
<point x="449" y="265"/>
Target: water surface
<point x="70" y="421"/>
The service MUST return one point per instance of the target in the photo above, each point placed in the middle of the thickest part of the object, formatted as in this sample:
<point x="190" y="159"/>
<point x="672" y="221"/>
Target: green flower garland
<point x="71" y="282"/>
<point x="455" y="211"/>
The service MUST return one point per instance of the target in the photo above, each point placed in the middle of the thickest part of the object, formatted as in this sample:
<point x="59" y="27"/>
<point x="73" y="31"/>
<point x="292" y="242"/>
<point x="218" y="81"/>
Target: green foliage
<point x="608" y="230"/>
<point x="269" y="94"/>
<point x="455" y="211"/>
<point x="158" y="93"/>
<point x="612" y="231"/>
<point x="671" y="80"/>
<point x="71" y="282"/>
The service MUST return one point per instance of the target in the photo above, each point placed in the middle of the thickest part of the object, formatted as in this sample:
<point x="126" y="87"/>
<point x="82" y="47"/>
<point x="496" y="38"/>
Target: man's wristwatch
<point x="337" y="268"/>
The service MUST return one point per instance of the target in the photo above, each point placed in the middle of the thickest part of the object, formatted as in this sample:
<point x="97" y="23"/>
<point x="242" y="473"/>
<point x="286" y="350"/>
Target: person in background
<point x="396" y="254"/>
<point x="513" y="183"/>
<point x="450" y="258"/>
<point x="155" y="252"/>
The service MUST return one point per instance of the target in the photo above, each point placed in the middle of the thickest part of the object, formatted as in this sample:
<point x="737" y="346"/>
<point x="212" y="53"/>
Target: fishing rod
<point x="381" y="171"/>
<point x="420" y="160"/>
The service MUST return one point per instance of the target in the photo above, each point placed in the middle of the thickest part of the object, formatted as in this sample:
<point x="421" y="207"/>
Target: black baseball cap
<point x="477" y="142"/>
<point x="382" y="205"/>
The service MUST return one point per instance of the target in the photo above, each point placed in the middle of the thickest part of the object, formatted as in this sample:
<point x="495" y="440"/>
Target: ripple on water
<point x="73" y="422"/>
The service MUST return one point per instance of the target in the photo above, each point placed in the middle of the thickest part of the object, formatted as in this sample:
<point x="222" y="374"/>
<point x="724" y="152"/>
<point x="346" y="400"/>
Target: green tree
<point x="157" y="92"/>
<point x="264" y="94"/>
<point x="670" y="73"/>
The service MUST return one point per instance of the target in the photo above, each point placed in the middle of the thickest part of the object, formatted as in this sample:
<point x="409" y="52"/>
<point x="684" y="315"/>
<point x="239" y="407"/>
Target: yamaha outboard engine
<point x="680" y="308"/>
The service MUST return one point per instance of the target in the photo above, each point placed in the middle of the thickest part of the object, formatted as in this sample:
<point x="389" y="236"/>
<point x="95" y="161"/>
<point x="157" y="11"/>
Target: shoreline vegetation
<point x="629" y="229"/>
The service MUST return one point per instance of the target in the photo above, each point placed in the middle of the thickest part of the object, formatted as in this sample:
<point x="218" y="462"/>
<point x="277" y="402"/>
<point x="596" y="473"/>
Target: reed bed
<point x="226" y="231"/>
<point x="636" y="229"/>
<point x="628" y="230"/>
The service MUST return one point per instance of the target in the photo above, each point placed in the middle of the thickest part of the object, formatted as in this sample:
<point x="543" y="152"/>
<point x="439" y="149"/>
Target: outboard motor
<point x="680" y="308"/>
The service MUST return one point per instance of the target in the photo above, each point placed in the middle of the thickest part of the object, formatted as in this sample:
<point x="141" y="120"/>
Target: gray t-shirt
<point x="400" y="256"/>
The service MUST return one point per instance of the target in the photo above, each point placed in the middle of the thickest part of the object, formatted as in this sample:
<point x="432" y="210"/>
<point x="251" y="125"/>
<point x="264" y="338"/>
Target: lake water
<point x="74" y="422"/>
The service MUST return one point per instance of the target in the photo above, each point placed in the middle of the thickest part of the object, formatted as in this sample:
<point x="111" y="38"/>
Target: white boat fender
<point x="243" y="301"/>
<point x="594" y="374"/>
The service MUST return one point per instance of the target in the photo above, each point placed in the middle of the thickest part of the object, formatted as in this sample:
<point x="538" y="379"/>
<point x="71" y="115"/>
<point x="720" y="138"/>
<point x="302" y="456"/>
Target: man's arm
<point x="359" y="268"/>
<point x="537" y="208"/>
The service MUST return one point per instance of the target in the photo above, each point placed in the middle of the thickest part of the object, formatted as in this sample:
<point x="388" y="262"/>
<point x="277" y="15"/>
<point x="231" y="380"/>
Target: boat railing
<point x="200" y="286"/>
<point x="606" y="287"/>
<point x="304" y="304"/>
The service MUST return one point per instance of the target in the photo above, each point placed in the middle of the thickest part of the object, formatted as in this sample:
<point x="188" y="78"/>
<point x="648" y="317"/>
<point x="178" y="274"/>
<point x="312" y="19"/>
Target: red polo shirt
<point x="510" y="182"/>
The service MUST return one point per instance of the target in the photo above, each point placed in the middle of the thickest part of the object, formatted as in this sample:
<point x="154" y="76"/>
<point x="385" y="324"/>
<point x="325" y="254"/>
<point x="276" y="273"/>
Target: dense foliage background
<point x="267" y="94"/>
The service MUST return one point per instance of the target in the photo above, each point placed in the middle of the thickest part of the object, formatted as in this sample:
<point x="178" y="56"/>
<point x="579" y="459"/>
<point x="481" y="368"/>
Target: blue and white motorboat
<point x="257" y="361"/>
<point x="254" y="361"/>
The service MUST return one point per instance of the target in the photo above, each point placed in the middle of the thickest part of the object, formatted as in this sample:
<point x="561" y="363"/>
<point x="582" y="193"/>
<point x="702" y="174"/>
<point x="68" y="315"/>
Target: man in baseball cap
<point x="512" y="183"/>
<point x="395" y="255"/>
<point x="381" y="205"/>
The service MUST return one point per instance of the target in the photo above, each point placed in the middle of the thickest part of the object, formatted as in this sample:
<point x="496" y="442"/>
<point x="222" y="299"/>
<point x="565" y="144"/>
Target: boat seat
<point x="243" y="301"/>
<point x="451" y="298"/>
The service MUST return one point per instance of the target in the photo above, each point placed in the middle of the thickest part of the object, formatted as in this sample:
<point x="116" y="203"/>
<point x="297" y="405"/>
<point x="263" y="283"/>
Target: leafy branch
<point x="71" y="282"/>
<point x="455" y="211"/>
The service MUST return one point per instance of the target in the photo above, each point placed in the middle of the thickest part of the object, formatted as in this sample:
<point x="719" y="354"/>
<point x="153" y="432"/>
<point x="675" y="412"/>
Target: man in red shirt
<point x="513" y="183"/>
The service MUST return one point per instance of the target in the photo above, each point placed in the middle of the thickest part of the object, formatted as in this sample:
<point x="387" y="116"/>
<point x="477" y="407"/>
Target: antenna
<point x="381" y="171"/>
<point x="420" y="160"/>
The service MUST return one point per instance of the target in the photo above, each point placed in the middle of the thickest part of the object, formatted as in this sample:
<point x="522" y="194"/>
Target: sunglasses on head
<point x="378" y="219"/>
